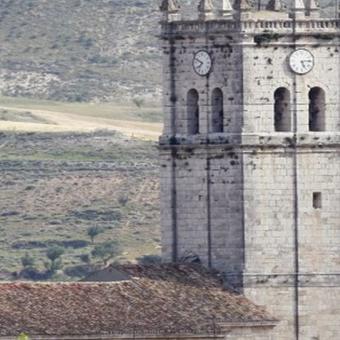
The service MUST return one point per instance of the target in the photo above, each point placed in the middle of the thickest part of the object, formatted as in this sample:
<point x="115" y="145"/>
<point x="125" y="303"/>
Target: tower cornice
<point x="307" y="26"/>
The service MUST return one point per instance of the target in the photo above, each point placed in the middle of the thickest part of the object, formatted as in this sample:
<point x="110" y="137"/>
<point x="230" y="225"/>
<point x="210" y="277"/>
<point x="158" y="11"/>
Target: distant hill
<point x="81" y="50"/>
<point x="54" y="187"/>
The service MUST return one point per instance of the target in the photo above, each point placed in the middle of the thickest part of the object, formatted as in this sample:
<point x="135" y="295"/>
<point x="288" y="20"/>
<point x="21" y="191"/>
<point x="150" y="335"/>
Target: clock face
<point x="202" y="63"/>
<point x="301" y="61"/>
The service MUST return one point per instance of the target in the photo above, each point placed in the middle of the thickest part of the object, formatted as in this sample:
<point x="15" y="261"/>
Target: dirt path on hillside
<point x="63" y="121"/>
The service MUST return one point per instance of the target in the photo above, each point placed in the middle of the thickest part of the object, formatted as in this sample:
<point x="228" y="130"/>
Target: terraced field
<point x="28" y="115"/>
<point x="55" y="185"/>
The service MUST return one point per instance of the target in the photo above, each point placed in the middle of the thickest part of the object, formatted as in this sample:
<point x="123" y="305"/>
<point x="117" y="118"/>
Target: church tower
<point x="250" y="154"/>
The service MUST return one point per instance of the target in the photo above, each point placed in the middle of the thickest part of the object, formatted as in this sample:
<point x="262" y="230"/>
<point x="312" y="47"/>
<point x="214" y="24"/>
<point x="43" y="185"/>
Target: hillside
<point x="79" y="50"/>
<point x="31" y="115"/>
<point x="67" y="167"/>
<point x="82" y="50"/>
<point x="54" y="187"/>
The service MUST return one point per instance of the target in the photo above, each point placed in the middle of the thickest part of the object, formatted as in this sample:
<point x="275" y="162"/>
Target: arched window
<point x="317" y="108"/>
<point x="217" y="110"/>
<point x="193" y="112"/>
<point x="282" y="114"/>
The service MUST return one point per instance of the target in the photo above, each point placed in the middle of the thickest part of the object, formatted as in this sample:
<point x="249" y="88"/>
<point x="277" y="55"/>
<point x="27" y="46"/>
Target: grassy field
<point x="102" y="110"/>
<point x="22" y="114"/>
<point x="54" y="186"/>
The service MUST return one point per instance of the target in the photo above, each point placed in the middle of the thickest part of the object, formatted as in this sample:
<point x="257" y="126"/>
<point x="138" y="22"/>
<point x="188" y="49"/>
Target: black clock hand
<point x="199" y="61"/>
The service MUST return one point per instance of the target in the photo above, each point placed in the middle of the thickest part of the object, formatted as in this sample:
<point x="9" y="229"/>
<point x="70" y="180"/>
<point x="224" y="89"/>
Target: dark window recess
<point x="217" y="110"/>
<point x="193" y="112"/>
<point x="282" y="112"/>
<point x="317" y="200"/>
<point x="317" y="109"/>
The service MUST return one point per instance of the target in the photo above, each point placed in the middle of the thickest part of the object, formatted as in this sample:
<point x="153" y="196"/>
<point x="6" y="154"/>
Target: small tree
<point x="123" y="199"/>
<point x="139" y="102"/>
<point x="85" y="258"/>
<point x="93" y="232"/>
<point x="27" y="261"/>
<point x="106" y="251"/>
<point x="53" y="254"/>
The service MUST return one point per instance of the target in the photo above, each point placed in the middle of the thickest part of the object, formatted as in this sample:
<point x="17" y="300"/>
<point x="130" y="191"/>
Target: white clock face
<point x="301" y="61"/>
<point x="202" y="63"/>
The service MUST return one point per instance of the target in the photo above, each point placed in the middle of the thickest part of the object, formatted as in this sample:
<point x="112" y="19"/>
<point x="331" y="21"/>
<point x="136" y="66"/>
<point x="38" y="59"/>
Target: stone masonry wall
<point x="250" y="333"/>
<point x="279" y="188"/>
<point x="252" y="200"/>
<point x="268" y="70"/>
<point x="179" y="78"/>
<point x="197" y="181"/>
<point x="208" y="186"/>
<point x="270" y="239"/>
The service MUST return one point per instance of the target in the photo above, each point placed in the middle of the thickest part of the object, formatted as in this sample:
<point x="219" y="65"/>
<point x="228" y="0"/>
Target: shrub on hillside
<point x="27" y="261"/>
<point x="54" y="254"/>
<point x="106" y="251"/>
<point x="93" y="232"/>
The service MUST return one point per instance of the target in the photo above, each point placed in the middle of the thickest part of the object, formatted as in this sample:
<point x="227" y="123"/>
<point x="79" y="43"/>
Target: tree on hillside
<point x="27" y="261"/>
<point x="93" y="232"/>
<point x="139" y="102"/>
<point x="54" y="254"/>
<point x="85" y="258"/>
<point x="106" y="251"/>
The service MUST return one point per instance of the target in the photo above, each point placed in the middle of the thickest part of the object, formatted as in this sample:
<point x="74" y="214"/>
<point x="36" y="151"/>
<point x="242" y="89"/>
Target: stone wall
<point x="250" y="333"/>
<point x="209" y="218"/>
<point x="279" y="184"/>
<point x="179" y="79"/>
<point x="270" y="238"/>
<point x="244" y="200"/>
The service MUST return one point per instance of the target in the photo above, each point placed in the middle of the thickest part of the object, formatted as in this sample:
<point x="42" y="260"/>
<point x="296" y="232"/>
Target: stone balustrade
<point x="283" y="26"/>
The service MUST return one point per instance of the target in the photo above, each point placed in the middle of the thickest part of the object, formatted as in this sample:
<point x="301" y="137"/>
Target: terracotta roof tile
<point x="164" y="299"/>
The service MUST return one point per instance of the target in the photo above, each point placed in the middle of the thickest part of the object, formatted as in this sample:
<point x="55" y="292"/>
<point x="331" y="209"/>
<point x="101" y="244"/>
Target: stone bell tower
<point x="250" y="155"/>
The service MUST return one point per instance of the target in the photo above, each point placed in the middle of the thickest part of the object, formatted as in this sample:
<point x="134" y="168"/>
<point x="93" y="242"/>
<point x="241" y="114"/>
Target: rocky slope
<point x="79" y="50"/>
<point x="82" y="50"/>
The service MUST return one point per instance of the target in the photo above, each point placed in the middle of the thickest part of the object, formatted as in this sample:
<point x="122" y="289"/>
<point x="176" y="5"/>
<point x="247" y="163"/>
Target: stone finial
<point x="242" y="5"/>
<point x="227" y="9"/>
<point x="242" y="8"/>
<point x="313" y="8"/>
<point x="170" y="10"/>
<point x="206" y="9"/>
<point x="298" y="9"/>
<point x="276" y="5"/>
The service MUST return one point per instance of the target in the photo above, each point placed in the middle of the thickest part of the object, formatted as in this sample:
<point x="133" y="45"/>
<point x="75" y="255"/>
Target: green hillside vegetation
<point x="55" y="187"/>
<point x="117" y="111"/>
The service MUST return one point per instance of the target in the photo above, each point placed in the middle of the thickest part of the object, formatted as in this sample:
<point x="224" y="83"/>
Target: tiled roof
<point x="167" y="299"/>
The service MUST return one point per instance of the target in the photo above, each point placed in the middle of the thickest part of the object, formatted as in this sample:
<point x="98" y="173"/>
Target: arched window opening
<point x="217" y="110"/>
<point x="193" y="112"/>
<point x="317" y="108"/>
<point x="282" y="118"/>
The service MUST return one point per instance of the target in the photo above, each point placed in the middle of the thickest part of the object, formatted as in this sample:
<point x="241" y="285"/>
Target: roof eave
<point x="121" y="336"/>
<point x="246" y="324"/>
